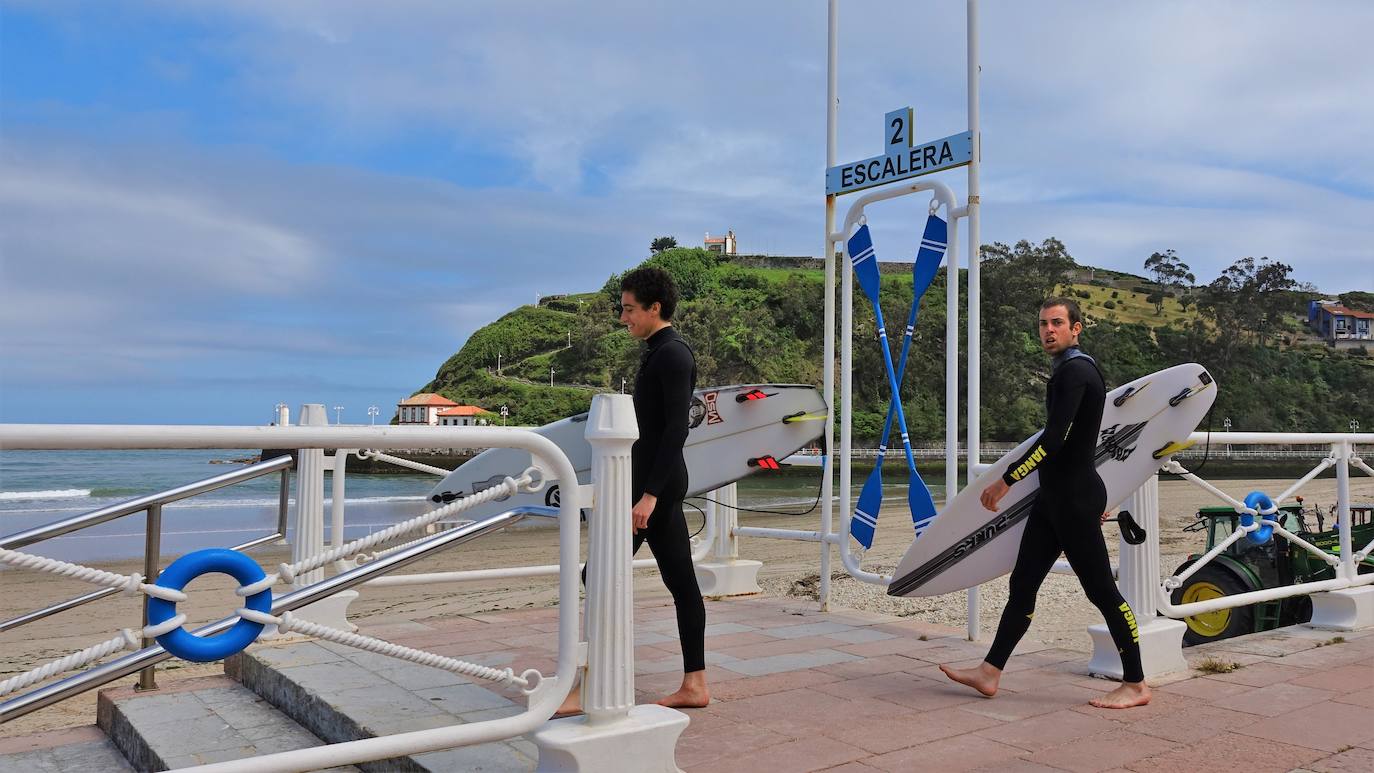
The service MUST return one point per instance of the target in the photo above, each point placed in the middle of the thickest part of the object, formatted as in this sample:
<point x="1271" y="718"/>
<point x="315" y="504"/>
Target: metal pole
<point x="974" y="249"/>
<point x="1342" y="452"/>
<point x="152" y="564"/>
<point x="284" y="503"/>
<point x="831" y="144"/>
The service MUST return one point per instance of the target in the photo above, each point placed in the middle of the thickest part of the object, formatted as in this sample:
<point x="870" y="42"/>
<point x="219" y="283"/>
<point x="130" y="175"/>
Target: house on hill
<point x="721" y="245"/>
<point x="460" y="416"/>
<point x="426" y="407"/>
<point x="1339" y="326"/>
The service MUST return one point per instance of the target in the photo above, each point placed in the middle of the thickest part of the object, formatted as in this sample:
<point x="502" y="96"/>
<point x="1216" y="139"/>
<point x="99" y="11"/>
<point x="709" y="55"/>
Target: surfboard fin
<point x="752" y="394"/>
<point x="1173" y="448"/>
<point x="765" y="463"/>
<point x="802" y="416"/>
<point x="1182" y="395"/>
<point x="1130" y="392"/>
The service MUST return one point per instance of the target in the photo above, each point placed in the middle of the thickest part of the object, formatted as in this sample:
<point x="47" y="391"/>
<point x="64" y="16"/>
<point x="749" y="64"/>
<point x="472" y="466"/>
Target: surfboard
<point x="1143" y="423"/>
<point x="733" y="431"/>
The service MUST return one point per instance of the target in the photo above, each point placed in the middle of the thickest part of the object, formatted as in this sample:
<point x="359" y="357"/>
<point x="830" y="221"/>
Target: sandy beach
<point x="790" y="568"/>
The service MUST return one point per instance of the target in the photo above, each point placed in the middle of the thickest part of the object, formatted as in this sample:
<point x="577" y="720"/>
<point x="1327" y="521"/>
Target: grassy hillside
<point x="765" y="325"/>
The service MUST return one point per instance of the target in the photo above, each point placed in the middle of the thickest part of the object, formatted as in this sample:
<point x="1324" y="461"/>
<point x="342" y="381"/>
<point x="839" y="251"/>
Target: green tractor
<point x="1245" y="566"/>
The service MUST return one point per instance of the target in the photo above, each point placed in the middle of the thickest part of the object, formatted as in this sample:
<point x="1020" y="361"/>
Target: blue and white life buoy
<point x="1261" y="503"/>
<point x="203" y="649"/>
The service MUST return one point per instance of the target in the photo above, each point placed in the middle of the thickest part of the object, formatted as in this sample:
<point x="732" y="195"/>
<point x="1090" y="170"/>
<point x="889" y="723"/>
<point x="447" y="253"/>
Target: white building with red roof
<point x="422" y="409"/>
<point x="460" y="416"/>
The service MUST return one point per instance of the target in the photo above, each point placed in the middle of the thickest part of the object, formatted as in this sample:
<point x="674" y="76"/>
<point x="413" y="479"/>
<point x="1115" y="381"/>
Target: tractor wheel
<point x="1212" y="582"/>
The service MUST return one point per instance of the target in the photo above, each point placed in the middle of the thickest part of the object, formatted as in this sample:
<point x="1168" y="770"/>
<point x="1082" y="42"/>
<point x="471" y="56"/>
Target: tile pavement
<point x="795" y="689"/>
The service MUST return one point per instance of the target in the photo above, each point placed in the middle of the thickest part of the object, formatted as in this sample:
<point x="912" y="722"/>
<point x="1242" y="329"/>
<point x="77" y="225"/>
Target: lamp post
<point x="498" y="362"/>
<point x="372" y="412"/>
<point x="622" y="385"/>
<point x="505" y="411"/>
<point x="338" y="414"/>
<point x="1354" y="426"/>
<point x="1226" y="425"/>
<point x="551" y="372"/>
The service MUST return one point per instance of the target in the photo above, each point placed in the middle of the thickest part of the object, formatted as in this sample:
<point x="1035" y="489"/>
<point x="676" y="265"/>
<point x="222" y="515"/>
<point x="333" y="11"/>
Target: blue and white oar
<point x="919" y="500"/>
<point x="865" y="263"/>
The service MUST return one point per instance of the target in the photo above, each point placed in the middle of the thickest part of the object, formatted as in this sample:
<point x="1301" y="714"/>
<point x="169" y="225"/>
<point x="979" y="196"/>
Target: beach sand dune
<point x="790" y="568"/>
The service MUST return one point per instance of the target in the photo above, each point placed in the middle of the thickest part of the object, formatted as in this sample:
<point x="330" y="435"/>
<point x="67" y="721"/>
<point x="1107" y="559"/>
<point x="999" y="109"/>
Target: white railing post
<point x="309" y="538"/>
<point x="1161" y="639"/>
<point x="1351" y="608"/>
<point x="723" y="573"/>
<point x="614" y="734"/>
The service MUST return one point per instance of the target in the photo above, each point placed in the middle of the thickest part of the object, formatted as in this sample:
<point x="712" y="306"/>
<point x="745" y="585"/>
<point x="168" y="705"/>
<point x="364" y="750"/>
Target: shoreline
<point x="789" y="569"/>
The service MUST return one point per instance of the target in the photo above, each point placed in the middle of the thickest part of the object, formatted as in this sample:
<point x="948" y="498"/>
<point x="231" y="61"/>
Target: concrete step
<point x="341" y="693"/>
<point x="194" y="722"/>
<point x="61" y="751"/>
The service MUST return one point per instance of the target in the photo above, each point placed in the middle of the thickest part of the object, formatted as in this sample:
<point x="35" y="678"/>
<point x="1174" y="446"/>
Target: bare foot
<point x="572" y="705"/>
<point x="687" y="698"/>
<point x="984" y="677"/>
<point x="1124" y="697"/>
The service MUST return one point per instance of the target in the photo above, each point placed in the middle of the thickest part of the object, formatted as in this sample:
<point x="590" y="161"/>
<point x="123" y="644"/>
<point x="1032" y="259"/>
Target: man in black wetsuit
<point x="663" y="398"/>
<point x="1066" y="515"/>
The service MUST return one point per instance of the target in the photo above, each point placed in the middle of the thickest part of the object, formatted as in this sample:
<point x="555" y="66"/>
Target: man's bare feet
<point x="693" y="694"/>
<point x="572" y="705"/>
<point x="984" y="677"/>
<point x="1124" y="697"/>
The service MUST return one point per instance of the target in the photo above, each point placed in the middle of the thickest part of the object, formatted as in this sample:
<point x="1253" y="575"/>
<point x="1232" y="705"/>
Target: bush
<point x="1115" y="294"/>
<point x="1082" y="293"/>
<point x="1141" y="289"/>
<point x="1109" y="304"/>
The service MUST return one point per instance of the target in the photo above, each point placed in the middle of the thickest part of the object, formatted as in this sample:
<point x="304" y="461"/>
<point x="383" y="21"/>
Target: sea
<point x="40" y="487"/>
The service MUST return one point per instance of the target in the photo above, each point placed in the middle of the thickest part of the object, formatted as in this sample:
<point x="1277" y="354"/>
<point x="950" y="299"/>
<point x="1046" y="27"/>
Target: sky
<point x="209" y="208"/>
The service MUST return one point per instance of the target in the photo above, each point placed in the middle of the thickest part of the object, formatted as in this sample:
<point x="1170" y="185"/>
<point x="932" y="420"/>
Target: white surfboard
<point x="967" y="545"/>
<point x="732" y="431"/>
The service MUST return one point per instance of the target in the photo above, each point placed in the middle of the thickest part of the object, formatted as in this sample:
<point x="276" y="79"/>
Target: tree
<point x="1169" y="271"/>
<point x="1246" y="300"/>
<point x="662" y="243"/>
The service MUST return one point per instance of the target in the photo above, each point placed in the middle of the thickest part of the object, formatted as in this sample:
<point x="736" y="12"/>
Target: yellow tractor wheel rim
<point x="1208" y="624"/>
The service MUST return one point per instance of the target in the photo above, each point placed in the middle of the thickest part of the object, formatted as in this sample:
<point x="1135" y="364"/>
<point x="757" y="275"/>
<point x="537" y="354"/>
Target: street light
<point x="505" y="411"/>
<point x="1226" y="425"/>
<point x="338" y="414"/>
<point x="498" y="362"/>
<point x="1354" y="426"/>
<point x="551" y="372"/>
<point x="372" y="412"/>
<point x="622" y="385"/>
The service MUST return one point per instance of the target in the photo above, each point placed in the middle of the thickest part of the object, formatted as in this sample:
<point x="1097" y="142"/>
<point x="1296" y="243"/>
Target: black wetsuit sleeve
<point x="673" y="367"/>
<point x="1065" y="397"/>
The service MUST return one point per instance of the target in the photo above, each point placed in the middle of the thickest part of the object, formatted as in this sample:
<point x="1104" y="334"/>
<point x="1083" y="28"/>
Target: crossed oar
<point x="865" y="262"/>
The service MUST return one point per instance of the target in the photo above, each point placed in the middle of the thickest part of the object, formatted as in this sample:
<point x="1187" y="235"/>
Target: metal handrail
<point x="143" y="504"/>
<point x="77" y="522"/>
<point x="150" y="656"/>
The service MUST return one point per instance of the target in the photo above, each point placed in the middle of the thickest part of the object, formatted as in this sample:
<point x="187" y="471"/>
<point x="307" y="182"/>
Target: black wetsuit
<point x="1067" y="514"/>
<point x="663" y="399"/>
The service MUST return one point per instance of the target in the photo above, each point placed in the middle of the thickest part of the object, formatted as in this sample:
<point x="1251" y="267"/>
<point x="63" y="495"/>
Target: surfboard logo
<point x="1114" y="441"/>
<point x="695" y="413"/>
<point x="712" y="412"/>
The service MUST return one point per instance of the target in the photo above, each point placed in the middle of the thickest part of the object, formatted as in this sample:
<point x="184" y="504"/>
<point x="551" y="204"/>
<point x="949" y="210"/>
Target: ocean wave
<point x="189" y="503"/>
<point x="63" y="493"/>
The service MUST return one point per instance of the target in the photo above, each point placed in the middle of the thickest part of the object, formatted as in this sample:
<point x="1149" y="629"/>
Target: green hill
<point x="754" y="319"/>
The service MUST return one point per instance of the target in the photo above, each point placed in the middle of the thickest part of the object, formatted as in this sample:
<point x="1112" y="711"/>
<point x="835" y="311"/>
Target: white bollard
<point x="614" y="734"/>
<point x="723" y="573"/>
<point x="1161" y="639"/>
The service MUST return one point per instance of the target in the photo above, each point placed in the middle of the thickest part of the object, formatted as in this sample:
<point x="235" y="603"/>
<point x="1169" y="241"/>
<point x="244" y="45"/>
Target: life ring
<point x="203" y="649"/>
<point x="1260" y="502"/>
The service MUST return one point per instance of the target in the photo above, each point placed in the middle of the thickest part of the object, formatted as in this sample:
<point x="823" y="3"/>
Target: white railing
<point x="1343" y="457"/>
<point x="609" y="678"/>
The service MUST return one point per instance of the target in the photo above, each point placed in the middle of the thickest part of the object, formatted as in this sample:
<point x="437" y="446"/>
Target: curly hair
<point x="650" y="285"/>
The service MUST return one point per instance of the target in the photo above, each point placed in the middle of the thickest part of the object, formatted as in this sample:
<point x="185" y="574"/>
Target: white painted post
<point x="1349" y="609"/>
<point x="1161" y="639"/>
<point x="309" y="499"/>
<point x="614" y="734"/>
<point x="723" y="573"/>
<point x="608" y="691"/>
